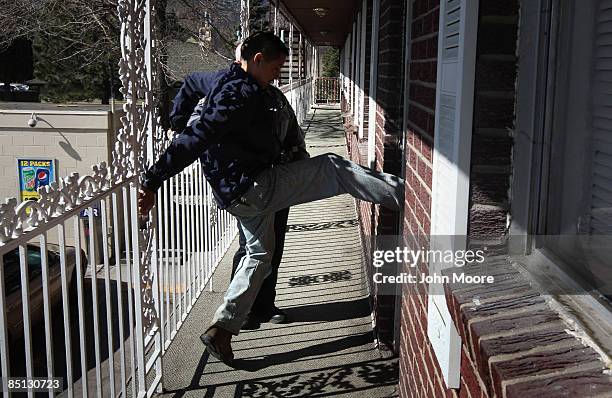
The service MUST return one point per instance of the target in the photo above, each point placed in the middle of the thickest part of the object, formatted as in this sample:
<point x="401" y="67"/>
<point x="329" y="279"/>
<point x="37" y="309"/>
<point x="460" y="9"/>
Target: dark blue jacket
<point x="235" y="137"/>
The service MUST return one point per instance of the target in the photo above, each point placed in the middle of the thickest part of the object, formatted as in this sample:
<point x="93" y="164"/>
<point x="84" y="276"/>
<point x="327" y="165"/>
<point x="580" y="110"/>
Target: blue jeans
<point x="283" y="186"/>
<point x="264" y="303"/>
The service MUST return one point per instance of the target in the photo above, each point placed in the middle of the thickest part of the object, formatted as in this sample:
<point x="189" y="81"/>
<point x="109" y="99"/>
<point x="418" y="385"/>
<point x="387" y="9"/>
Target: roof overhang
<point x="325" y="22"/>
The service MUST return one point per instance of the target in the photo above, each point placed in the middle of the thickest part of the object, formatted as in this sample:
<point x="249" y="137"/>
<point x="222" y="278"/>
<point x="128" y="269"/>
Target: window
<point x="575" y="210"/>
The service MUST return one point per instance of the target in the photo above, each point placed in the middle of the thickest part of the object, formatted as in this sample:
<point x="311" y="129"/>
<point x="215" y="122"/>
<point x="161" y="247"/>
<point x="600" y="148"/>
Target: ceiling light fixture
<point x="320" y="11"/>
<point x="323" y="33"/>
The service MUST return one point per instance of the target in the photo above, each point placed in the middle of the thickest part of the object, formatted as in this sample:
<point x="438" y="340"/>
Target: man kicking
<point x="236" y="143"/>
<point x="189" y="104"/>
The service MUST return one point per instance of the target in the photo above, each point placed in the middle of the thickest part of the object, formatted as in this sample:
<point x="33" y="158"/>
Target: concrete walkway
<point x="327" y="348"/>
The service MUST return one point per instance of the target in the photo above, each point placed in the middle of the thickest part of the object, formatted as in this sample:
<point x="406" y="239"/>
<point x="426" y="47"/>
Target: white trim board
<point x="451" y="164"/>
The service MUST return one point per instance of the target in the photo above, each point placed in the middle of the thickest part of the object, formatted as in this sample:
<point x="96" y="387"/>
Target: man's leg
<point x="323" y="177"/>
<point x="252" y="270"/>
<point x="241" y="252"/>
<point x="264" y="303"/>
<point x="264" y="308"/>
<point x="277" y="188"/>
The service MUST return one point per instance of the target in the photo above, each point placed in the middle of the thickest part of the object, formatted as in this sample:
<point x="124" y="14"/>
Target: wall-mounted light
<point x="320" y="11"/>
<point x="33" y="120"/>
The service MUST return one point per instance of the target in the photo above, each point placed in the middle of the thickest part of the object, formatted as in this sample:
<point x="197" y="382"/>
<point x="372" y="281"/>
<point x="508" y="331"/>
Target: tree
<point x="331" y="62"/>
<point x="76" y="42"/>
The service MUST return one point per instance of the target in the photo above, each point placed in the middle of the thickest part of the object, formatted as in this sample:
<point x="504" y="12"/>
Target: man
<point x="194" y="91"/>
<point x="237" y="147"/>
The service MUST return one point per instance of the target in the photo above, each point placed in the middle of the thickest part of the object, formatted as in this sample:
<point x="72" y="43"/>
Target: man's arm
<point x="229" y="105"/>
<point x="196" y="86"/>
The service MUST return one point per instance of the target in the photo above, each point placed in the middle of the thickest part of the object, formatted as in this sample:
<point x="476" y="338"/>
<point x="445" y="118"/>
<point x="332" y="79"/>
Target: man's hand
<point x="146" y="200"/>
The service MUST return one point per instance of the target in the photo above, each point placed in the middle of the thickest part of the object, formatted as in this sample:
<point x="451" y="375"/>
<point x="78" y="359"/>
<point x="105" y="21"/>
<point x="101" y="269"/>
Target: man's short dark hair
<point x="267" y="43"/>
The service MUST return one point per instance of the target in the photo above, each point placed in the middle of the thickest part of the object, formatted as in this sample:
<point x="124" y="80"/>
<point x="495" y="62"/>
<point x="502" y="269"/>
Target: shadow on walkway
<point x="326" y="349"/>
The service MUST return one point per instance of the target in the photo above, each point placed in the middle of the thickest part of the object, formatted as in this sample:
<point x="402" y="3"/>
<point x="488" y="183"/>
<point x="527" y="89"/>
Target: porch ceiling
<point x="336" y="24"/>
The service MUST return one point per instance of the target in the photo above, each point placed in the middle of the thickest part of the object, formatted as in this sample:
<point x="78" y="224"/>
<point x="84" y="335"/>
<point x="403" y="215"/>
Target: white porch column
<point x="362" y="62"/>
<point x="244" y="19"/>
<point x="275" y="27"/>
<point x="347" y="71"/>
<point x="354" y="43"/>
<point x="373" y="85"/>
<point x="300" y="58"/>
<point x="354" y="79"/>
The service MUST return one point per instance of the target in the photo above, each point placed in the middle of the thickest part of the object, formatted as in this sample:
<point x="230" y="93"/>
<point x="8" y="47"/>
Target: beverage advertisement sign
<point x="32" y="174"/>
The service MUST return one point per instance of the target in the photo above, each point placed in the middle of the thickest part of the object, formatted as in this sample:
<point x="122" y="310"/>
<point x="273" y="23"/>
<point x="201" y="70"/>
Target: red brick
<point x="540" y="363"/>
<point x="463" y="389"/>
<point x="432" y="364"/>
<point x="467" y="293"/>
<point x="517" y="343"/>
<point x="500" y="306"/>
<point x="580" y="384"/>
<point x="423" y="196"/>
<point x="427" y="227"/>
<point x="469" y="374"/>
<point x="425" y="172"/>
<point x="509" y="323"/>
<point x="412" y="158"/>
<point x="426" y="150"/>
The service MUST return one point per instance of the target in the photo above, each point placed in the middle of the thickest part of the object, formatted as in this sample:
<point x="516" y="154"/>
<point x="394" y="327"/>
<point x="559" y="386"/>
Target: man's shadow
<point x="337" y="311"/>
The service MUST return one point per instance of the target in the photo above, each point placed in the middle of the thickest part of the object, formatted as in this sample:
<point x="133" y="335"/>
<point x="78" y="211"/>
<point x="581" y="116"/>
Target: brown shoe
<point x="218" y="343"/>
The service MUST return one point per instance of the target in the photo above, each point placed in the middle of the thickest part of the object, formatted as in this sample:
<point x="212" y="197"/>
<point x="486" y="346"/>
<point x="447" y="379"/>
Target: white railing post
<point x="4" y="346"/>
<point x="138" y="287"/>
<point x="107" y="287"/>
<point x="94" y="292"/>
<point x="80" y="304"/>
<point x="46" y="304"/>
<point x="119" y="284"/>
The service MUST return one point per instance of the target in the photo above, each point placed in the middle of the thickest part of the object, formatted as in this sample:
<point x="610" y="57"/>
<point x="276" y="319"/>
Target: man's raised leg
<point x="325" y="176"/>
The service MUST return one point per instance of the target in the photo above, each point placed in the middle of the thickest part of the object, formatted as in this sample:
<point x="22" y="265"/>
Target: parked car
<point x="12" y="284"/>
<point x="19" y="87"/>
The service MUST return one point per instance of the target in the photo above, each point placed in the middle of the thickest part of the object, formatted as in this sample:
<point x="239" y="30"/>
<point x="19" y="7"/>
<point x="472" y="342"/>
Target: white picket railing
<point x="193" y="236"/>
<point x="69" y="279"/>
<point x="97" y="294"/>
<point x="327" y="90"/>
<point x="90" y="281"/>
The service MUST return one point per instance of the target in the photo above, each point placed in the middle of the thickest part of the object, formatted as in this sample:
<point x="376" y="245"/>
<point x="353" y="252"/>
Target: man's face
<point x="265" y="71"/>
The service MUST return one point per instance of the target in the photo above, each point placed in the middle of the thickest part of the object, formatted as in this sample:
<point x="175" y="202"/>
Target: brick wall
<point x="420" y="375"/>
<point x="493" y="120"/>
<point x="373" y="220"/>
<point x="513" y="343"/>
<point x="389" y="98"/>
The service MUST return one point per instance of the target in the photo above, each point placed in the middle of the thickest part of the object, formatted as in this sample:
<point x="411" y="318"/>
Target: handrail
<point x="288" y="87"/>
